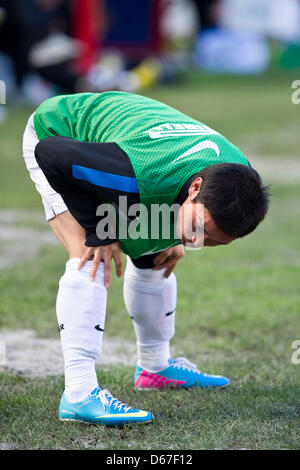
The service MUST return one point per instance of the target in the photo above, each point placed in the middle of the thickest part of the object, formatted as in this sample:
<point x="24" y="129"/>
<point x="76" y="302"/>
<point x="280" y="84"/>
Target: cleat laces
<point x="107" y="399"/>
<point x="185" y="364"/>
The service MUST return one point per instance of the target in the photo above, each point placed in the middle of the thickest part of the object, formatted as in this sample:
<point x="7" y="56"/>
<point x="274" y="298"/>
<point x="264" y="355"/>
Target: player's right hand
<point x="104" y="253"/>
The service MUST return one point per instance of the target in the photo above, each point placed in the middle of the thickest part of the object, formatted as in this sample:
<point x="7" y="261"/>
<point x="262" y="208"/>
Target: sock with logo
<point x="150" y="300"/>
<point x="81" y="309"/>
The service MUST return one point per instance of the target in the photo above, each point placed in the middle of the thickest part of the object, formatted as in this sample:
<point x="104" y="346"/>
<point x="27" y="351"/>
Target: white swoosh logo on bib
<point x="207" y="144"/>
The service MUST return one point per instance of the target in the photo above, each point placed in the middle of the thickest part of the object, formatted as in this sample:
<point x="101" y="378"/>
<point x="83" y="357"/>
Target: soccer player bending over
<point x="85" y="150"/>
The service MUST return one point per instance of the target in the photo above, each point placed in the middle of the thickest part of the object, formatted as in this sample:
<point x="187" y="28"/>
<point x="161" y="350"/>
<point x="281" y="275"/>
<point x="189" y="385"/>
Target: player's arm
<point x="168" y="259"/>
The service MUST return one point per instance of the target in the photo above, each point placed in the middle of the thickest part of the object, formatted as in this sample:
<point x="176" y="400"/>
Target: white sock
<point x="81" y="309"/>
<point x="150" y="300"/>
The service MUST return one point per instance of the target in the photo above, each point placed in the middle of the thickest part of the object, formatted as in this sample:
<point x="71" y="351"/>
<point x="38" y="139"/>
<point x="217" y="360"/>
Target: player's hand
<point x="105" y="253"/>
<point x="168" y="259"/>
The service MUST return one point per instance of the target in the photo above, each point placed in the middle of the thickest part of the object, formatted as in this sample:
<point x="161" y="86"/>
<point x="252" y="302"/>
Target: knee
<point x="146" y="276"/>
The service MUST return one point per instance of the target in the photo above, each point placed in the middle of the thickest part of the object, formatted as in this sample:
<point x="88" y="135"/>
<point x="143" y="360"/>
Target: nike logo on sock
<point x="98" y="328"/>
<point x="170" y="313"/>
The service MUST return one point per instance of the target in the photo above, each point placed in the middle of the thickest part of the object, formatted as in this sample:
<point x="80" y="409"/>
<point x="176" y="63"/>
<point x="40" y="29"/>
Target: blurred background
<point x="234" y="65"/>
<point x="66" y="46"/>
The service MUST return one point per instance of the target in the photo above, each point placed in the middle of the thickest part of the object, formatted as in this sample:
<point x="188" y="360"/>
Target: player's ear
<point x="195" y="187"/>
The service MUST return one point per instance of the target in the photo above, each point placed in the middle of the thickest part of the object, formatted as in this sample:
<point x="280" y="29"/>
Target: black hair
<point x="235" y="197"/>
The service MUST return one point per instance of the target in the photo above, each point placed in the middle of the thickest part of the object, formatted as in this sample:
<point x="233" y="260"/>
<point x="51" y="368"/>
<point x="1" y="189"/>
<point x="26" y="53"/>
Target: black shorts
<point x="144" y="262"/>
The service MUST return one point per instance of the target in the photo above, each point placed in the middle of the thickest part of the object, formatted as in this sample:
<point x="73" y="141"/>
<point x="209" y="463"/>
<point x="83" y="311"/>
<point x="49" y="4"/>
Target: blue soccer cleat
<point x="101" y="407"/>
<point x="181" y="373"/>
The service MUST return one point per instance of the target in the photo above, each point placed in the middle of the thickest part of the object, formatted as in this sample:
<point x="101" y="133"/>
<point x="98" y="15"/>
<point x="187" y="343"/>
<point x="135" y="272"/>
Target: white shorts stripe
<point x="52" y="201"/>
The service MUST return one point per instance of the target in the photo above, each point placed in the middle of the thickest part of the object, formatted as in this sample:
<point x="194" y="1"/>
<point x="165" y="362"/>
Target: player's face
<point x="195" y="226"/>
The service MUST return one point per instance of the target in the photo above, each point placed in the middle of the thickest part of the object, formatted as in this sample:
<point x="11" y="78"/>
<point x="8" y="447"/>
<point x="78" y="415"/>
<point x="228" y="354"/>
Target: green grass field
<point x="238" y="306"/>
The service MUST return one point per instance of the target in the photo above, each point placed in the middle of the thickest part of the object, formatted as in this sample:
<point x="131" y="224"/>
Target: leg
<point x="81" y="309"/>
<point x="70" y="234"/>
<point x="151" y="302"/>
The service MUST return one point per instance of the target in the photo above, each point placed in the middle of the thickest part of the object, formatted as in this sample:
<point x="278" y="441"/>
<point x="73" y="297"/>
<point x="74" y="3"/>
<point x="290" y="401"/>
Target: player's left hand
<point x="168" y="259"/>
<point x="103" y="253"/>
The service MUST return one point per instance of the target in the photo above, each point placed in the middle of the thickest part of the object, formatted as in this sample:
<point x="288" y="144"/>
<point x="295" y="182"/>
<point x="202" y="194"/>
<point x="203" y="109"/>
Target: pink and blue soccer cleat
<point x="181" y="373"/>
<point x="100" y="407"/>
